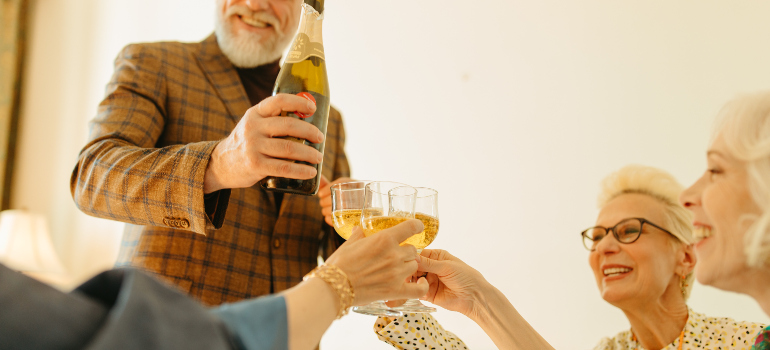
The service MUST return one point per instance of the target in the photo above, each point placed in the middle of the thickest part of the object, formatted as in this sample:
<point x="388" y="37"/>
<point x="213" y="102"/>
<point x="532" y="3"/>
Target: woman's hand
<point x="378" y="267"/>
<point x="453" y="284"/>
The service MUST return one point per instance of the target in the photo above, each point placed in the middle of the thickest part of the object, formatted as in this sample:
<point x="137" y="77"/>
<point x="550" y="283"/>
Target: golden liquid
<point x="426" y="237"/>
<point x="378" y="223"/>
<point x="419" y="241"/>
<point x="345" y="220"/>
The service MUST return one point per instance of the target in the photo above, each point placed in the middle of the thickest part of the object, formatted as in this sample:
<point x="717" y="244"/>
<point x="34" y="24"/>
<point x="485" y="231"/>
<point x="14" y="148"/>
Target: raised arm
<point x="149" y="163"/>
<point x="456" y="286"/>
<point x="377" y="268"/>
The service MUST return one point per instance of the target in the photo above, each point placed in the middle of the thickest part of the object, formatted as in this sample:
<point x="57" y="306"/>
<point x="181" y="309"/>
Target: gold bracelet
<point x="339" y="282"/>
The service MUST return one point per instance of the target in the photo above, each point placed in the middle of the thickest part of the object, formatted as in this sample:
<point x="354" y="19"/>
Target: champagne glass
<point x="386" y="204"/>
<point x="347" y="201"/>
<point x="426" y="210"/>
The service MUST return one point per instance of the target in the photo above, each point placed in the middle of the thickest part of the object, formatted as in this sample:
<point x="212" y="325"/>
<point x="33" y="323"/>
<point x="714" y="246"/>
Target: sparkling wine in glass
<point x="347" y="202"/>
<point x="426" y="210"/>
<point x="386" y="204"/>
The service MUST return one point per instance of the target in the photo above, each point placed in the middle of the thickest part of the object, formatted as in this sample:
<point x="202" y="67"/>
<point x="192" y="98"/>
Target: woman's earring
<point x="684" y="285"/>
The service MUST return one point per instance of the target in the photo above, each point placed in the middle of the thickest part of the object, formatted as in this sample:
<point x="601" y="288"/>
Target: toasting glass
<point x="426" y="210"/>
<point x="386" y="204"/>
<point x="347" y="201"/>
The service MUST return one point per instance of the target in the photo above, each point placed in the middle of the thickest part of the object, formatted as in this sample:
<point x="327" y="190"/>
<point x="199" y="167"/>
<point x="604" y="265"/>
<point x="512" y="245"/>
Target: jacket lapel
<point x="223" y="77"/>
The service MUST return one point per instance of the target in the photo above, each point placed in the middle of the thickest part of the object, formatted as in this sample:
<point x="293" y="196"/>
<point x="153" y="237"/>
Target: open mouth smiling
<point x="255" y="22"/>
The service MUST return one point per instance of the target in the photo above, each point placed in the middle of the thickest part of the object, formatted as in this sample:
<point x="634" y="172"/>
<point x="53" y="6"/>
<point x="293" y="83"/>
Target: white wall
<point x="512" y="110"/>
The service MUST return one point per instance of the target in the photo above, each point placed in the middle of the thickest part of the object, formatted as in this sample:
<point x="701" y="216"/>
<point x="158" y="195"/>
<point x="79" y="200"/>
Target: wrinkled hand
<point x="325" y="197"/>
<point x="378" y="267"/>
<point x="454" y="285"/>
<point x="253" y="150"/>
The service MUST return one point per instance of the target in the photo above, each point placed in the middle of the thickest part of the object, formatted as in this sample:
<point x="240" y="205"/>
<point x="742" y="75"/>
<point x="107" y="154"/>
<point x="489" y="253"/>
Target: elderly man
<point x="184" y="134"/>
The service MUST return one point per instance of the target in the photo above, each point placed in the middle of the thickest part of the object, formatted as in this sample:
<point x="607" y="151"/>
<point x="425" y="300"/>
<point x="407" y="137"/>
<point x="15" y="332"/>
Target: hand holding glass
<point x="386" y="204"/>
<point x="426" y="210"/>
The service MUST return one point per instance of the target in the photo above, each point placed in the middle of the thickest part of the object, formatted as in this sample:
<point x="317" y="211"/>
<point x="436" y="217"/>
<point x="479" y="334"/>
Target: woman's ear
<point x="687" y="259"/>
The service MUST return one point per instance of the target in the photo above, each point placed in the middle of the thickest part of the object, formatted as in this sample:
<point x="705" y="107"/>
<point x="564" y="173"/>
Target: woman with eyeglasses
<point x="641" y="255"/>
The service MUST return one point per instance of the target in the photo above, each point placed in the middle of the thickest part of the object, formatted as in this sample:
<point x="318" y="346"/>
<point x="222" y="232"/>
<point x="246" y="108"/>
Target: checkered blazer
<point x="165" y="109"/>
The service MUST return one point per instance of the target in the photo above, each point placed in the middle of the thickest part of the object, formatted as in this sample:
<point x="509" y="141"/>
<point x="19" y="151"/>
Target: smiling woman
<point x="731" y="203"/>
<point x="642" y="259"/>
<point x="645" y="267"/>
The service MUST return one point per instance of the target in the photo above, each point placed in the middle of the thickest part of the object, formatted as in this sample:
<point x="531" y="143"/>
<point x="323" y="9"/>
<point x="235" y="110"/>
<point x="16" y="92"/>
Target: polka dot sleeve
<point x="416" y="331"/>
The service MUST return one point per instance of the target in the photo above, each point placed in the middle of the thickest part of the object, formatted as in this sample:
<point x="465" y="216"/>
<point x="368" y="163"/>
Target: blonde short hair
<point x="744" y="123"/>
<point x="657" y="184"/>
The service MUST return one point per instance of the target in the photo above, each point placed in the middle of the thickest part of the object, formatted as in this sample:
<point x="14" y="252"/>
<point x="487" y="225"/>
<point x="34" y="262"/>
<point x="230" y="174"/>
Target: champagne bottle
<point x="304" y="73"/>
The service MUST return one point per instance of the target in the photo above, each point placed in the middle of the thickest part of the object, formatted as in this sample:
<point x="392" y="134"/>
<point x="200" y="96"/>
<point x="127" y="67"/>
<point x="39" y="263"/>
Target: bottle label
<point x="309" y="97"/>
<point x="302" y="48"/>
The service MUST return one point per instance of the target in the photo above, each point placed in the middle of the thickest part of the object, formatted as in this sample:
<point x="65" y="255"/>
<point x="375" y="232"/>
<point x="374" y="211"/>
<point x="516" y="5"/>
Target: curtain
<point x="13" y="14"/>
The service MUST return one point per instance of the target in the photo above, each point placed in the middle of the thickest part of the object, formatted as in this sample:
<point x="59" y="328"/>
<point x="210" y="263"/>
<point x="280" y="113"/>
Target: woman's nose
<point x="608" y="244"/>
<point x="691" y="196"/>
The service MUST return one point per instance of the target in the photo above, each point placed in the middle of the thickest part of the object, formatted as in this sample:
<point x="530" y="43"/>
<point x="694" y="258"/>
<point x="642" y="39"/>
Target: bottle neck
<point x="318" y="5"/>
<point x="310" y="23"/>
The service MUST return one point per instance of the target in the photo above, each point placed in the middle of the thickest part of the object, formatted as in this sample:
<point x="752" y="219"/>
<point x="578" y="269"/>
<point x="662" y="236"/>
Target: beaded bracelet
<point x="339" y="282"/>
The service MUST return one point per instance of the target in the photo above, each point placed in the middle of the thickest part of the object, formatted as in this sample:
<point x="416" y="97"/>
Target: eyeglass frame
<point x="642" y="221"/>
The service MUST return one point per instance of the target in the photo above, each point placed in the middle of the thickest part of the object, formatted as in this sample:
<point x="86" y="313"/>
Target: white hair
<point x="663" y="187"/>
<point x="744" y="124"/>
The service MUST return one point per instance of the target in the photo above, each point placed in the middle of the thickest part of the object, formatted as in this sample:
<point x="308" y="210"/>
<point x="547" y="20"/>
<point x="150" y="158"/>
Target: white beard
<point x="244" y="49"/>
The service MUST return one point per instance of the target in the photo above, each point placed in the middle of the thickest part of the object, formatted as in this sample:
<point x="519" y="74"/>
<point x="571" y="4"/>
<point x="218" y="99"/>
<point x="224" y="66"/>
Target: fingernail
<point x="320" y="157"/>
<point x="320" y="137"/>
<point x="418" y="258"/>
<point x="310" y="104"/>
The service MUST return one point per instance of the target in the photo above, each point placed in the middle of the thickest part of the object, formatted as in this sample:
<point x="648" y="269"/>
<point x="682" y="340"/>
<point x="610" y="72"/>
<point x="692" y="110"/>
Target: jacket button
<point x="276" y="243"/>
<point x="184" y="223"/>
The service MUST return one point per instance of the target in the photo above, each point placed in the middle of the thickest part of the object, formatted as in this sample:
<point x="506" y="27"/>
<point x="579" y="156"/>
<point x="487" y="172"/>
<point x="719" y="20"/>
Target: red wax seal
<point x="309" y="97"/>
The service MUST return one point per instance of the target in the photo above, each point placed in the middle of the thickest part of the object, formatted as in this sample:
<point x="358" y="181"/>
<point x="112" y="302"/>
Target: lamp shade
<point x="25" y="244"/>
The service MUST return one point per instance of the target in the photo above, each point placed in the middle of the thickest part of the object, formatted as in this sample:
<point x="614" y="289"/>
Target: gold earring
<point x="684" y="285"/>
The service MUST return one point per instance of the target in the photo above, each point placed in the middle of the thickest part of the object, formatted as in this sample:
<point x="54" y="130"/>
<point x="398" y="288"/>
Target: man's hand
<point x="325" y="197"/>
<point x="253" y="150"/>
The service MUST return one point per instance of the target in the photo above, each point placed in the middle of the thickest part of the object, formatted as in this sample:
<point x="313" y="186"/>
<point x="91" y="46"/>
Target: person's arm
<point x="117" y="309"/>
<point x="121" y="174"/>
<point x="507" y="328"/>
<point x="377" y="268"/>
<point x="37" y="316"/>
<point x="458" y="287"/>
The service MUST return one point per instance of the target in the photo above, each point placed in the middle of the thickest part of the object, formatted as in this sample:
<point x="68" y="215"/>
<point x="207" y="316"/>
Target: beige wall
<point x="513" y="110"/>
<point x="72" y="46"/>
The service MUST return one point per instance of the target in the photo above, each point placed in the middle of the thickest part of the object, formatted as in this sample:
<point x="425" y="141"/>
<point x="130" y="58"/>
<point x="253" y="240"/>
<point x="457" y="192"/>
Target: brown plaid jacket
<point x="165" y="109"/>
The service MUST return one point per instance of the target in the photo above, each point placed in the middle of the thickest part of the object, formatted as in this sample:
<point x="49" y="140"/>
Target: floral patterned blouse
<point x="700" y="332"/>
<point x="422" y="331"/>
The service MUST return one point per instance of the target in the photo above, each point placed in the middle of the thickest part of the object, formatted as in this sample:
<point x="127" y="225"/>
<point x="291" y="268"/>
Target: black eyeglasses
<point x="626" y="232"/>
